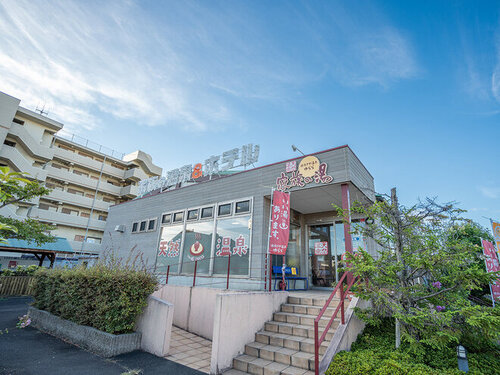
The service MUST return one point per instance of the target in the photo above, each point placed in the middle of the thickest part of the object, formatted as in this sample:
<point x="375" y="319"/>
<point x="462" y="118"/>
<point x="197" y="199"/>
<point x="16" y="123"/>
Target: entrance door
<point x="322" y="255"/>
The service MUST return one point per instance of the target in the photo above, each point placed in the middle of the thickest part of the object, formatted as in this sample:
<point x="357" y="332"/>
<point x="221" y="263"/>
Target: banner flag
<point x="492" y="265"/>
<point x="280" y="223"/>
<point x="496" y="234"/>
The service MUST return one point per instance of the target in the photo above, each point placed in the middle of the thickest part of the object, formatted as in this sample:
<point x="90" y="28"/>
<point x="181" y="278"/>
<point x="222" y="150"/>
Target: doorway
<point x="322" y="259"/>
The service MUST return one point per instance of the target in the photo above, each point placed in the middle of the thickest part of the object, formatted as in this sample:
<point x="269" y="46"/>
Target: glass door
<point x="322" y="255"/>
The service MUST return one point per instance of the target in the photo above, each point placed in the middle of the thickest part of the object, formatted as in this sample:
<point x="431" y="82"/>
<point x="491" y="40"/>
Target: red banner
<point x="280" y="223"/>
<point x="492" y="265"/>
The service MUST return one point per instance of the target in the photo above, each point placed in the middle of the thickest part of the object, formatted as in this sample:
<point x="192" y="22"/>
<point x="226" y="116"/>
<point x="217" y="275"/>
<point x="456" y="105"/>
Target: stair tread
<point x="303" y="315"/>
<point x="283" y="367"/>
<point x="289" y="337"/>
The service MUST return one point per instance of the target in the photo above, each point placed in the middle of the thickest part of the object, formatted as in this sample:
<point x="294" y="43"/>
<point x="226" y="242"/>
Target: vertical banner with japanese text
<point x="495" y="226"/>
<point x="280" y="223"/>
<point x="492" y="265"/>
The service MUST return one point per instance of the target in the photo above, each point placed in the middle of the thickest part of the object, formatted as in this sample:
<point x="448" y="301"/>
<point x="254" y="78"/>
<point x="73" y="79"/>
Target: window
<point x="59" y="166"/>
<point x="134" y="227"/>
<point x="197" y="247"/>
<point x="169" y="248"/>
<point x="207" y="212"/>
<point x="152" y="224"/>
<point x="178" y="217"/>
<point x="77" y="192"/>
<point x="17" y="121"/>
<point x="69" y="211"/>
<point x="233" y="237"/>
<point x="224" y="209"/>
<point x="89" y="195"/>
<point x="143" y="226"/>
<point x="243" y="206"/>
<point x="102" y="217"/>
<point x="43" y="206"/>
<point x="79" y="237"/>
<point x="165" y="219"/>
<point x="80" y="173"/>
<point x="84" y="214"/>
<point x="9" y="143"/>
<point x="93" y="240"/>
<point x="192" y="215"/>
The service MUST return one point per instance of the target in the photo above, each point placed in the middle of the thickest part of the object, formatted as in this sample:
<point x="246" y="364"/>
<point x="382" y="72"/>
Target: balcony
<point x="135" y="174"/>
<point x="88" y="247"/>
<point x="64" y="175"/>
<point x="89" y="163"/>
<point x="21" y="164"/>
<point x="77" y="200"/>
<point x="65" y="219"/>
<point x="129" y="191"/>
<point x="34" y="148"/>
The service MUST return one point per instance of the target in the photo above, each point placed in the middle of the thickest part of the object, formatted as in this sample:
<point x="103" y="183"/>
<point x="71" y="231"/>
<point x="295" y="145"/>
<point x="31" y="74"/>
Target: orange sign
<point x="309" y="166"/>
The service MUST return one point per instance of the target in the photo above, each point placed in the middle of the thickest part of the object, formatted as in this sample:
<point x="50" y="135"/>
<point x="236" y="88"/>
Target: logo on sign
<point x="321" y="248"/>
<point x="310" y="170"/>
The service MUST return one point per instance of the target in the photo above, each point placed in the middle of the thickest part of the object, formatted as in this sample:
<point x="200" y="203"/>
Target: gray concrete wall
<point x="155" y="326"/>
<point x="8" y="109"/>
<point x="238" y="316"/>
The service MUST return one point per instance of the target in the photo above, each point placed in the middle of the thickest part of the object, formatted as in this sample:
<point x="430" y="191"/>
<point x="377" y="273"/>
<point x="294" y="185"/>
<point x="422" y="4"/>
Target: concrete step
<point x="309" y="310"/>
<point x="302" y="319"/>
<point x="234" y="372"/>
<point x="287" y="362"/>
<point x="311" y="301"/>
<point x="298" y="329"/>
<point x="264" y="338"/>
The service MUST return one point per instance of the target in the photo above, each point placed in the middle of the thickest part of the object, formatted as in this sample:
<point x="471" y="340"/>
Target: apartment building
<point x="86" y="178"/>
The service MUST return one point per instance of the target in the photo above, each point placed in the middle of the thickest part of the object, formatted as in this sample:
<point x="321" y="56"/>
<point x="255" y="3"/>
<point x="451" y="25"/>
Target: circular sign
<point x="309" y="166"/>
<point x="196" y="249"/>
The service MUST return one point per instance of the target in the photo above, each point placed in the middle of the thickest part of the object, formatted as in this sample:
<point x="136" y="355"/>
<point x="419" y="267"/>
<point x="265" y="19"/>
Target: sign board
<point x="237" y="157"/>
<point x="310" y="170"/>
<point x="496" y="233"/>
<point x="280" y="223"/>
<point x="492" y="265"/>
<point x="321" y="248"/>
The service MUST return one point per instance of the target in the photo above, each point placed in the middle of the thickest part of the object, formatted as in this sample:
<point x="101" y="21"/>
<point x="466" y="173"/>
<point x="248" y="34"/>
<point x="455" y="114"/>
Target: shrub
<point x="374" y="353"/>
<point x="107" y="297"/>
<point x="20" y="271"/>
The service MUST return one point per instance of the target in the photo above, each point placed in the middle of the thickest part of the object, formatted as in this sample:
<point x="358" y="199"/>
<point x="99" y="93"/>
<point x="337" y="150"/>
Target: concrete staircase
<point x="286" y="345"/>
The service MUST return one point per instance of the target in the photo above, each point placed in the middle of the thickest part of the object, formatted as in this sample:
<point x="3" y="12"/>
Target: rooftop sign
<point x="246" y="155"/>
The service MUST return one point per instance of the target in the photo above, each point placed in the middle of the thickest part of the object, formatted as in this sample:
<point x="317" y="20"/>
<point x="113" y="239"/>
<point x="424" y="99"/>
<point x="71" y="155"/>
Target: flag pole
<point x="269" y="238"/>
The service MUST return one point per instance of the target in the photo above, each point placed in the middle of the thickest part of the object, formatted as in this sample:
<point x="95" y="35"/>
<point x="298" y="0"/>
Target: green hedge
<point x="108" y="298"/>
<point x="374" y="353"/>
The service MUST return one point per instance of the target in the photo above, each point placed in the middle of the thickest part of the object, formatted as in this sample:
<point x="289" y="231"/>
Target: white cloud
<point x="184" y="66"/>
<point x="490" y="192"/>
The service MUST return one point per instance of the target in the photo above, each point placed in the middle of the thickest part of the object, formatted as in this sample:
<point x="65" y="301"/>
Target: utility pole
<point x="398" y="244"/>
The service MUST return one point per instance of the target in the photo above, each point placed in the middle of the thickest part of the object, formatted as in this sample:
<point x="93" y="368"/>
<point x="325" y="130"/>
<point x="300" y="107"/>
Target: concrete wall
<point x="238" y="316"/>
<point x="194" y="307"/>
<point x="345" y="334"/>
<point x="155" y="325"/>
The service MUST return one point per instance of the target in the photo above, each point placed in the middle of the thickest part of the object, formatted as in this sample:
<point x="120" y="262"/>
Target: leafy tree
<point x="423" y="273"/>
<point x="15" y="188"/>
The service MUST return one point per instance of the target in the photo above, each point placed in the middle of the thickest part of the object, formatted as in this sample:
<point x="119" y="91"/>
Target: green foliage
<point x="373" y="353"/>
<point x="108" y="297"/>
<point x="426" y="267"/>
<point x="16" y="188"/>
<point x="20" y="271"/>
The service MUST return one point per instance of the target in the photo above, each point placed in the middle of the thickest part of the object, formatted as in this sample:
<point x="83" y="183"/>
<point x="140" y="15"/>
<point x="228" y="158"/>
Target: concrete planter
<point x="101" y="343"/>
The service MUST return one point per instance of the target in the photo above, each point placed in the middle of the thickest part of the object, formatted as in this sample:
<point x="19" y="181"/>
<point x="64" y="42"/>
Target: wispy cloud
<point x="490" y="192"/>
<point x="186" y="65"/>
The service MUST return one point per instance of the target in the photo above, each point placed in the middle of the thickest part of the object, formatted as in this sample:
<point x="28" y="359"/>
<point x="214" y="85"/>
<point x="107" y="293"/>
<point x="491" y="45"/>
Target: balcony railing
<point x="66" y="219"/>
<point x="89" y="144"/>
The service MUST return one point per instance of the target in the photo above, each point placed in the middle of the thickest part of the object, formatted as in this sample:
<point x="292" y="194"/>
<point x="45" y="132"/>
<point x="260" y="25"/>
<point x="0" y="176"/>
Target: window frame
<point x="145" y="226"/>
<point x="249" y="200"/>
<point x="154" y="225"/>
<point x="183" y="212"/>
<point x="231" y="205"/>
<point x="209" y="217"/>
<point x="136" y="223"/>
<point x="197" y="214"/>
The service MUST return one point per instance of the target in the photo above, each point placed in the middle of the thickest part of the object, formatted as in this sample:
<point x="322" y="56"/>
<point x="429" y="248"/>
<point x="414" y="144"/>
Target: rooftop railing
<point x="89" y="144"/>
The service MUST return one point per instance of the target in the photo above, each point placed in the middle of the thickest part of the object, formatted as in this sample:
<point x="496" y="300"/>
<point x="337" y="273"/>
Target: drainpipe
<point x="93" y="204"/>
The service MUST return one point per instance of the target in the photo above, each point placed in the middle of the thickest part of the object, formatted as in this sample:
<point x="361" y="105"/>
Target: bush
<point x="374" y="353"/>
<point x="107" y="297"/>
<point x="20" y="271"/>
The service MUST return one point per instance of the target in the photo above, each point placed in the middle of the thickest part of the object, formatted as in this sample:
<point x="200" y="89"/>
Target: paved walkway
<point x="190" y="350"/>
<point x="28" y="352"/>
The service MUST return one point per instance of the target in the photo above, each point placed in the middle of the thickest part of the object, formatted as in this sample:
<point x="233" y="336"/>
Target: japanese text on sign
<point x="280" y="223"/>
<point x="224" y="246"/>
<point x="311" y="171"/>
<point x="246" y="155"/>
<point x="321" y="248"/>
<point x="492" y="265"/>
<point x="169" y="249"/>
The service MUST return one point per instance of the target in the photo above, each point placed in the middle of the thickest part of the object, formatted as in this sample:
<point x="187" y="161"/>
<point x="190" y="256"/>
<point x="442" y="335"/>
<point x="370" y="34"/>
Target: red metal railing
<point x="319" y="340"/>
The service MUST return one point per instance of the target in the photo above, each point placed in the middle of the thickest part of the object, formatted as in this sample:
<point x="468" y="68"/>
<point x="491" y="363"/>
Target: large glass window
<point x="197" y="247"/>
<point x="233" y="237"/>
<point x="169" y="249"/>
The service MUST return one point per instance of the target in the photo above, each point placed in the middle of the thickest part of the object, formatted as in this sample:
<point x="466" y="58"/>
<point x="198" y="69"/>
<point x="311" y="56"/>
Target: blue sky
<point x="412" y="87"/>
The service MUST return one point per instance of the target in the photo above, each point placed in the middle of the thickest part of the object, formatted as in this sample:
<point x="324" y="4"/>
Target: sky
<point x="413" y="87"/>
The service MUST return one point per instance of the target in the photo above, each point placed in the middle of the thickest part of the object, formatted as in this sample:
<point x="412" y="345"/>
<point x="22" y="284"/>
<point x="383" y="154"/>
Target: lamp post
<point x="463" y="363"/>
<point x="295" y="149"/>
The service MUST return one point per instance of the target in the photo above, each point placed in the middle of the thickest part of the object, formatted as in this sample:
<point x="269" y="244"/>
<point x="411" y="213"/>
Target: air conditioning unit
<point x="120" y="228"/>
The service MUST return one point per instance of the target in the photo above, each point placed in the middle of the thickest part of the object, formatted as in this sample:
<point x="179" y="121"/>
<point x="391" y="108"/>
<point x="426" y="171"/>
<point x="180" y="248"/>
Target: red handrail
<point x="319" y="340"/>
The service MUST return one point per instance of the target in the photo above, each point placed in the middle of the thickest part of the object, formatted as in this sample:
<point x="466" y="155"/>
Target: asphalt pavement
<point x="28" y="351"/>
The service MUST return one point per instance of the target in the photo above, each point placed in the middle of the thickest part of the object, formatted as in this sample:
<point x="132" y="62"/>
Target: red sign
<point x="492" y="265"/>
<point x="321" y="248"/>
<point x="280" y="223"/>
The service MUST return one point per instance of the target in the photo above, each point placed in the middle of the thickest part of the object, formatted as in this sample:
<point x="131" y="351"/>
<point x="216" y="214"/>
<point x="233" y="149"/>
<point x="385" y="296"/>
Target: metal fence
<point x="89" y="144"/>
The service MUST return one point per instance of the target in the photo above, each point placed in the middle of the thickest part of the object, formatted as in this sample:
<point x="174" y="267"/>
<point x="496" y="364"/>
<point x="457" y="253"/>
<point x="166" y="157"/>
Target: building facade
<point x="85" y="178"/>
<point x="199" y="224"/>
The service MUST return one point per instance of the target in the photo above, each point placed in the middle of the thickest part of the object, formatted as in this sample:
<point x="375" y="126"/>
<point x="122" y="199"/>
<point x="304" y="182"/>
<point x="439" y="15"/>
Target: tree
<point x="15" y="188"/>
<point x="423" y="273"/>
